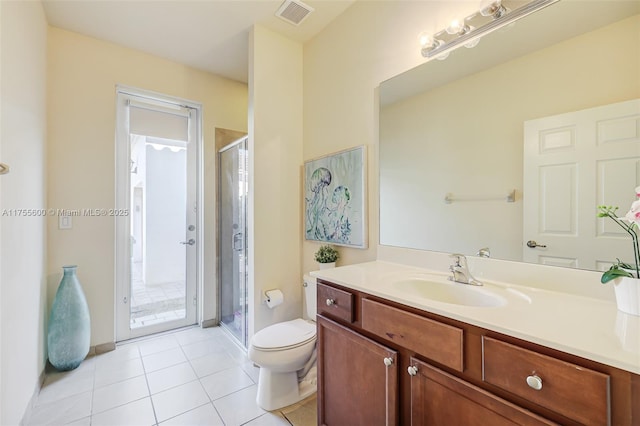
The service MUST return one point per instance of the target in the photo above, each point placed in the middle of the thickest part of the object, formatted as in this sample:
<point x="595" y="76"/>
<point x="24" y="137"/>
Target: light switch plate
<point x="64" y="222"/>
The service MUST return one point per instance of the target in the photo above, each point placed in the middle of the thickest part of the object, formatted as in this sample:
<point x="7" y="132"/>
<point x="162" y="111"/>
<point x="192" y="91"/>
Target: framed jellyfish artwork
<point x="334" y="195"/>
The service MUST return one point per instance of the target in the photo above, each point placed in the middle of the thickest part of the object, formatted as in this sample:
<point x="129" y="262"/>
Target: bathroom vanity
<point x="402" y="345"/>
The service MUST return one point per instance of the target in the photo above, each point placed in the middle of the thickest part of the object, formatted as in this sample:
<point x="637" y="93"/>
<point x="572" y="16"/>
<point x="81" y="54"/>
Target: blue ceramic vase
<point x="69" y="323"/>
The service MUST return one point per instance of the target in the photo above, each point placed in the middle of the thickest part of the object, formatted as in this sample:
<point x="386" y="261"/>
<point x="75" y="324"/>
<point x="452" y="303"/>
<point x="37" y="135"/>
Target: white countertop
<point x="582" y="326"/>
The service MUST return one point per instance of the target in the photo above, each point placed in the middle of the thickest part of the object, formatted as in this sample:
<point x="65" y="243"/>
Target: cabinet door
<point x="438" y="398"/>
<point x="358" y="378"/>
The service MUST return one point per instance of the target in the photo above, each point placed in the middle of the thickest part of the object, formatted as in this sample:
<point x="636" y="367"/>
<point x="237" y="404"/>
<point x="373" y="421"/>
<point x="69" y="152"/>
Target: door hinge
<point x="195" y="300"/>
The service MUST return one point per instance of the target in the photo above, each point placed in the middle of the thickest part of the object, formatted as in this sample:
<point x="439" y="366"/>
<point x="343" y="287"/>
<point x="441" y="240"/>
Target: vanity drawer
<point x="439" y="342"/>
<point x="568" y="389"/>
<point x="335" y="303"/>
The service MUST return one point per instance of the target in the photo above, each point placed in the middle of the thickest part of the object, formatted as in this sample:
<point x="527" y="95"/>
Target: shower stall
<point x="233" y="180"/>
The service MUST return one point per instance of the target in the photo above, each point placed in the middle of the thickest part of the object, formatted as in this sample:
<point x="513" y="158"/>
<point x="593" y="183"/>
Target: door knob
<point x="533" y="244"/>
<point x="190" y="242"/>
<point x="412" y="370"/>
<point x="330" y="302"/>
<point x="388" y="361"/>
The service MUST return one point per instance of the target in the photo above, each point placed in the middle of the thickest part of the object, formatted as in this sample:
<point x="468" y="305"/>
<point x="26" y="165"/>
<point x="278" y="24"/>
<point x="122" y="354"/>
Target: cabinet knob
<point x="412" y="370"/>
<point x="534" y="382"/>
<point x="330" y="302"/>
<point x="388" y="361"/>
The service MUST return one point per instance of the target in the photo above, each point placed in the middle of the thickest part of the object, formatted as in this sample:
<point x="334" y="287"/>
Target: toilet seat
<point x="284" y="335"/>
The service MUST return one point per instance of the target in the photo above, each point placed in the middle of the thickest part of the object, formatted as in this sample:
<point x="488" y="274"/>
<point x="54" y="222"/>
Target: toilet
<point x="286" y="355"/>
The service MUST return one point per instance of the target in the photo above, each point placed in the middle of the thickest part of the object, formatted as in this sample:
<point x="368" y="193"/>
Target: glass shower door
<point x="232" y="238"/>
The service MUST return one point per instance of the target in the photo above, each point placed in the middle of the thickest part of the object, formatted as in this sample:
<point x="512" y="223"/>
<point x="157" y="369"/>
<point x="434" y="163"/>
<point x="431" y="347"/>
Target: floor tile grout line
<point x="222" y="342"/>
<point x="120" y="405"/>
<point x="173" y="387"/>
<point x="129" y="402"/>
<point x="146" y="380"/>
<point x="180" y="414"/>
<point x="211" y="401"/>
<point x="93" y="390"/>
<point x="121" y="380"/>
<point x="147" y="373"/>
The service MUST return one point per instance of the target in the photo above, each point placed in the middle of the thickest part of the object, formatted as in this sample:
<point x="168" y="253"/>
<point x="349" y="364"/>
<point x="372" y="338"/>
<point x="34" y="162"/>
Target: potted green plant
<point x="326" y="256"/>
<point x="625" y="277"/>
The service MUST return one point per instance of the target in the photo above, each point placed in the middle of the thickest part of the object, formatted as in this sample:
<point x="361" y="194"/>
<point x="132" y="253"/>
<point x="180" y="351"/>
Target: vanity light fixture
<point x="493" y="14"/>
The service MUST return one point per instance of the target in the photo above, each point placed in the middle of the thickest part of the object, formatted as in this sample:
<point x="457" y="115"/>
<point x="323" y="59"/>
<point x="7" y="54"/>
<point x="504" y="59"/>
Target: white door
<point x="574" y="162"/>
<point x="158" y="239"/>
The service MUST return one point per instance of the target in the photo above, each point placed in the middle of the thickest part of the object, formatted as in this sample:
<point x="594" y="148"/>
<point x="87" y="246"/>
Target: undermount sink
<point x="450" y="292"/>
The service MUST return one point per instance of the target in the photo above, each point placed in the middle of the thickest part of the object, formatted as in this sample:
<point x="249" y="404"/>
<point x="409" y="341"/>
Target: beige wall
<point x="22" y="239"/>
<point x="275" y="215"/>
<point x="417" y="133"/>
<point x="83" y="74"/>
<point x="343" y="66"/>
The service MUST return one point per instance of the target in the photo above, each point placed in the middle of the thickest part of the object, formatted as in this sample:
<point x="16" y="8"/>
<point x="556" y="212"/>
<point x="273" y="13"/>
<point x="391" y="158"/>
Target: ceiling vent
<point x="294" y="11"/>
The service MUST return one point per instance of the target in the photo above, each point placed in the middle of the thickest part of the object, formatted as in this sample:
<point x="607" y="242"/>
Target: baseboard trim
<point x="101" y="349"/>
<point x="104" y="348"/>
<point x="209" y="323"/>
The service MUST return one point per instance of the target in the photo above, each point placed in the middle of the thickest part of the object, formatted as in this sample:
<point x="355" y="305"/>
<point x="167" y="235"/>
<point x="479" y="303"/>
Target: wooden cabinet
<point x="438" y="398"/>
<point x="439" y="342"/>
<point x="336" y="303"/>
<point x="380" y="362"/>
<point x="359" y="384"/>
<point x="573" y="391"/>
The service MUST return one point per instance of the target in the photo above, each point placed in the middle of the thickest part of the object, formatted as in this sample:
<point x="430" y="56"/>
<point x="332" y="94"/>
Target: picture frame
<point x="335" y="198"/>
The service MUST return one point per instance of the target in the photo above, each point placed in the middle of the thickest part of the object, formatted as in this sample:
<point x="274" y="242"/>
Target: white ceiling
<point x="211" y="35"/>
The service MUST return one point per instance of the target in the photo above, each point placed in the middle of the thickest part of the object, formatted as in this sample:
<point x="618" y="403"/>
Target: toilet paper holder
<point x="273" y="297"/>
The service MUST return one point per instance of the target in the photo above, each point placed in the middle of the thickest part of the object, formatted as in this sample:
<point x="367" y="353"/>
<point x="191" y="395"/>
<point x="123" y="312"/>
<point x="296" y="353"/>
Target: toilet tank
<point x="310" y="296"/>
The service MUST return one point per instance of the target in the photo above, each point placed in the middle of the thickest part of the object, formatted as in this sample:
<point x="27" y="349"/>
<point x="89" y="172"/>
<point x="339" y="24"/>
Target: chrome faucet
<point x="460" y="270"/>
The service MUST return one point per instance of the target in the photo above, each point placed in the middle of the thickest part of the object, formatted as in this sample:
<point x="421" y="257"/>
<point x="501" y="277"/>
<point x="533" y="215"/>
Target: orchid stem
<point x="634" y="238"/>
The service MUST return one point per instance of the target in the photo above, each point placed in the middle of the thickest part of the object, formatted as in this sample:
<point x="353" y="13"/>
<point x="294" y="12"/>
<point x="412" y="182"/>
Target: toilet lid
<point x="288" y="334"/>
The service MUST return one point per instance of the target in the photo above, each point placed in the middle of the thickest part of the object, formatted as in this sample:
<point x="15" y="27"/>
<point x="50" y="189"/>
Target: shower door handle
<point x="238" y="241"/>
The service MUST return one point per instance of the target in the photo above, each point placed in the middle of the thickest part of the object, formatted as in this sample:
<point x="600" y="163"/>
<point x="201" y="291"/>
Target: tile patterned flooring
<point x="192" y="376"/>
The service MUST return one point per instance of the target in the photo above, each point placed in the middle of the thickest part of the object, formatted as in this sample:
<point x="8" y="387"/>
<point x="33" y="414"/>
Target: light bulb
<point x="492" y="8"/>
<point x="425" y="39"/>
<point x="455" y="26"/>
<point x="431" y="44"/>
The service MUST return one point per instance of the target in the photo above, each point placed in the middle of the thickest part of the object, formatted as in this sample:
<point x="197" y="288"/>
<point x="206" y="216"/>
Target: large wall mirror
<point x="518" y="139"/>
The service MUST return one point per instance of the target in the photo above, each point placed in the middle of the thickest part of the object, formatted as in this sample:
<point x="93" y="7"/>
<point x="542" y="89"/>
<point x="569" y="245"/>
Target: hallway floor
<point x="189" y="377"/>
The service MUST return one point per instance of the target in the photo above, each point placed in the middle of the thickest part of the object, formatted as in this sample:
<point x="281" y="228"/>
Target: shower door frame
<point x="244" y="340"/>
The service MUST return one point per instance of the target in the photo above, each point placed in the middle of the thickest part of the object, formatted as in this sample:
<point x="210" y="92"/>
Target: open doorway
<point x="157" y="249"/>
